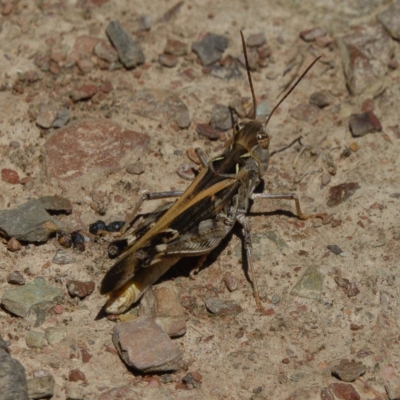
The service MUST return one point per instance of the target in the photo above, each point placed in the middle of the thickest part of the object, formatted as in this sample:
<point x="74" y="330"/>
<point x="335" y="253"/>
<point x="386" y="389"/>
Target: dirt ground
<point x="290" y="353"/>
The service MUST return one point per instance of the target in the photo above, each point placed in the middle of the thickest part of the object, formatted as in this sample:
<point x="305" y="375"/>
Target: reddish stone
<point x="89" y="146"/>
<point x="106" y="52"/>
<point x="176" y="47"/>
<point x="86" y="356"/>
<point x="83" y="92"/>
<point x="76" y="375"/>
<point x="9" y="176"/>
<point x="80" y="289"/>
<point x="58" y="309"/>
<point x="344" y="391"/>
<point x="208" y="130"/>
<point x="14" y="245"/>
<point x="167" y="60"/>
<point x="362" y="124"/>
<point x="85" y="65"/>
<point x="7" y="8"/>
<point x="106" y="87"/>
<point x="84" y="45"/>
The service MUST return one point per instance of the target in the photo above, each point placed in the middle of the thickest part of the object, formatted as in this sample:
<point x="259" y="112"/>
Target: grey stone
<point x="35" y="340"/>
<point x="56" y="204"/>
<point x="222" y="308"/>
<point x="62" y="118"/>
<point x="21" y="299"/>
<point x="211" y="48"/>
<point x="41" y="387"/>
<point x="62" y="257"/>
<point x="55" y="334"/>
<point x="142" y="344"/>
<point x="349" y="371"/>
<point x="12" y="376"/>
<point x="221" y="118"/>
<point x="310" y="285"/>
<point x="29" y="222"/>
<point x="128" y="50"/>
<point x="16" y="278"/>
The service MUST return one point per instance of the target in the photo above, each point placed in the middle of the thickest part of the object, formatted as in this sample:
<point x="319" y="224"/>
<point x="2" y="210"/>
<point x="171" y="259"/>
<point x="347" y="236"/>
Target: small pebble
<point x="210" y="48"/>
<point x="321" y="99"/>
<point x="35" y="340"/>
<point x="352" y="290"/>
<point x="325" y="179"/>
<point x="106" y="52"/>
<point x="167" y="60"/>
<point x="144" y="21"/>
<point x="62" y="118"/>
<point x="362" y="124"/>
<point x="83" y="92"/>
<point x="310" y="35"/>
<point x="175" y="48"/>
<point x="335" y="249"/>
<point x="14" y="245"/>
<point x="256" y="40"/>
<point x="353" y="147"/>
<point x="80" y="289"/>
<point x="9" y="176"/>
<point x="221" y="118"/>
<point x="15" y="144"/>
<point x="76" y="375"/>
<point x="58" y="309"/>
<point x="47" y="115"/>
<point x="221" y="307"/>
<point x="209" y="131"/>
<point x="306" y="112"/>
<point x="230" y="281"/>
<point x="275" y="299"/>
<point x="136" y="168"/>
<point x="62" y="258"/>
<point x="349" y="371"/>
<point x="340" y="193"/>
<point x="185" y="171"/>
<point x="16" y="278"/>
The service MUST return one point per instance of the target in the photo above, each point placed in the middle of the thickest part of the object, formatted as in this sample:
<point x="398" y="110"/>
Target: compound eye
<point x="237" y="127"/>
<point x="263" y="140"/>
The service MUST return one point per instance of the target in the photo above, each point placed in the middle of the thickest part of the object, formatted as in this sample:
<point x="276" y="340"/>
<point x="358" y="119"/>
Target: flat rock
<point x="35" y="340"/>
<point x="159" y="104"/>
<point x="41" y="387"/>
<point x="142" y="344"/>
<point x="63" y="257"/>
<point x="55" y="334"/>
<point x="349" y="371"/>
<point x="210" y="48"/>
<point x="91" y="147"/>
<point x="365" y="51"/>
<point x="161" y="302"/>
<point x="13" y="382"/>
<point x="128" y="50"/>
<point x="305" y="112"/>
<point x="29" y="222"/>
<point x="340" y="193"/>
<point x="56" y="204"/>
<point x="364" y="123"/>
<point x="106" y="52"/>
<point x="223" y="308"/>
<point x="20" y="300"/>
<point x="310" y="285"/>
<point x="390" y="19"/>
<point x="221" y="118"/>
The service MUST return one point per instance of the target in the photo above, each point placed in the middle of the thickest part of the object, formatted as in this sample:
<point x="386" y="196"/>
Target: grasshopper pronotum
<point x="200" y="218"/>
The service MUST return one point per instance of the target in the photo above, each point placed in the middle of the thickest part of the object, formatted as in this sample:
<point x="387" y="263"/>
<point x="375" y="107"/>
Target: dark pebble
<point x="334" y="249"/>
<point x="115" y="226"/>
<point x="76" y="375"/>
<point x="16" y="278"/>
<point x="321" y="99"/>
<point x="362" y="124"/>
<point x="97" y="226"/>
<point x="340" y="193"/>
<point x="210" y="48"/>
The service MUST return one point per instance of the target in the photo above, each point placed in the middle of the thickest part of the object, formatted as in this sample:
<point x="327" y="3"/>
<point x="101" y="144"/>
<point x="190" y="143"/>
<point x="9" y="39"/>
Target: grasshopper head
<point x="255" y="139"/>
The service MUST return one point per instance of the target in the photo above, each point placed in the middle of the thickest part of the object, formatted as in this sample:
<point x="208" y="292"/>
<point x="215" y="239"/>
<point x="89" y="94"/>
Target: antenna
<point x="249" y="76"/>
<point x="290" y="90"/>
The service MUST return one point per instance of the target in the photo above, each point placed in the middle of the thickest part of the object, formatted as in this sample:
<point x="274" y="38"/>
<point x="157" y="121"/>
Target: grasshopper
<point x="203" y="215"/>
